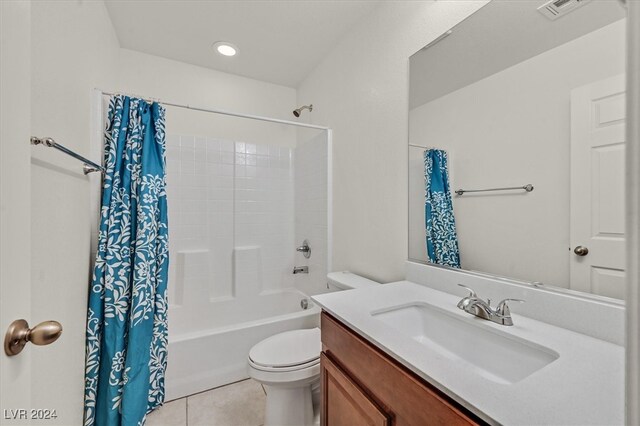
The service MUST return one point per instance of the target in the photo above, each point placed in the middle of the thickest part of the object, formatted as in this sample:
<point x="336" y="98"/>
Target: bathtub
<point x="209" y="345"/>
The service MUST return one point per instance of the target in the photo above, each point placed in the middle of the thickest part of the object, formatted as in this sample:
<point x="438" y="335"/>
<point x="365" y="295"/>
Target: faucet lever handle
<point x="503" y="307"/>
<point x="472" y="293"/>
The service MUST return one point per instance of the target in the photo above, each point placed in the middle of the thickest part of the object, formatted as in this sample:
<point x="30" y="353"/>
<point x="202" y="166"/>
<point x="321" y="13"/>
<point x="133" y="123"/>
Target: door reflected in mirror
<point x="516" y="146"/>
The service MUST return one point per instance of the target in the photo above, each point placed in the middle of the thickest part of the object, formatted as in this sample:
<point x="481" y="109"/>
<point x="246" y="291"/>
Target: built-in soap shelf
<point x="247" y="271"/>
<point x="189" y="264"/>
<point x="194" y="264"/>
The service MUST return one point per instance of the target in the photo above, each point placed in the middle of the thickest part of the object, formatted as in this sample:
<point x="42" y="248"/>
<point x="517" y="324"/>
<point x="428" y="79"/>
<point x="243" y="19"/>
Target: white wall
<point x="181" y="83"/>
<point x="517" y="130"/>
<point x="73" y="50"/>
<point x="360" y="90"/>
<point x="310" y="168"/>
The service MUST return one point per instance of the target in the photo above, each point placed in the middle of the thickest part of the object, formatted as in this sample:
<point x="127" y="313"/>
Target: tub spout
<point x="300" y="269"/>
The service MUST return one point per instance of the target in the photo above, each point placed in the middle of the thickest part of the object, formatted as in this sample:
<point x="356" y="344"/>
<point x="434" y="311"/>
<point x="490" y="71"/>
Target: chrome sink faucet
<point x="473" y="305"/>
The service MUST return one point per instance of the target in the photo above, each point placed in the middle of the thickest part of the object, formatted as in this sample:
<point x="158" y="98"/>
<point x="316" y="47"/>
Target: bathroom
<point x="374" y="86"/>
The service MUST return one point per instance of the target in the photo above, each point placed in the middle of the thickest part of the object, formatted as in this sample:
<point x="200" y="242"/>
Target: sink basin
<point x="496" y="356"/>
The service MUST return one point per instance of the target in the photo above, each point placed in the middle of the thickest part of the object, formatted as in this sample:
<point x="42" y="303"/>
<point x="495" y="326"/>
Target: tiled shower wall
<point x="230" y="218"/>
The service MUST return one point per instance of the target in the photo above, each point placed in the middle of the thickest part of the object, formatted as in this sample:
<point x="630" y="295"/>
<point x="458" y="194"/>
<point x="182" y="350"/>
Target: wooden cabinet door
<point x="379" y="381"/>
<point x="344" y="403"/>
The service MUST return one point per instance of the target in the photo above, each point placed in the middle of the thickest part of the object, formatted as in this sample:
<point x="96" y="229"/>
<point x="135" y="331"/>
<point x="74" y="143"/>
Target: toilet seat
<point x="288" y="351"/>
<point x="284" y="369"/>
<point x="288" y="359"/>
<point x="288" y="377"/>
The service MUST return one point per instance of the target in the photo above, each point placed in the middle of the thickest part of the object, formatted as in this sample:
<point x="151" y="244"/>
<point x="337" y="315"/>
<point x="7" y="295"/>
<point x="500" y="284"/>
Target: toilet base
<point x="292" y="406"/>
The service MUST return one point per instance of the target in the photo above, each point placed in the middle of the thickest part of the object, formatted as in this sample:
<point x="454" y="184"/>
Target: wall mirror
<point x="530" y="99"/>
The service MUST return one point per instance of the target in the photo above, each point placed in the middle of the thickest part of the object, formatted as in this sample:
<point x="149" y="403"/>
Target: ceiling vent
<point x="557" y="8"/>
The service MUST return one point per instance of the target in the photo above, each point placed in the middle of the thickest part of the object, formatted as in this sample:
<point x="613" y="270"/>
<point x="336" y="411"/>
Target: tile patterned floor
<point x="237" y="404"/>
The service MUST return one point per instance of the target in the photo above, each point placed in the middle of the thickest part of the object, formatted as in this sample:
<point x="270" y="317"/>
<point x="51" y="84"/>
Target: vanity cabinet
<point x="361" y="385"/>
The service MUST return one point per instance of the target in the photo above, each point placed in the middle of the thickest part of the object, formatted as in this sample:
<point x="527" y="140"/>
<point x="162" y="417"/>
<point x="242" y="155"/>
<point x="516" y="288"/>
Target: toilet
<point x="288" y="366"/>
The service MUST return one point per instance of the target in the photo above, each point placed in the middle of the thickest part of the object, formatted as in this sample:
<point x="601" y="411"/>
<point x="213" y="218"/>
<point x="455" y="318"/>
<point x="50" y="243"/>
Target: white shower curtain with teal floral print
<point x="440" y="223"/>
<point x="126" y="348"/>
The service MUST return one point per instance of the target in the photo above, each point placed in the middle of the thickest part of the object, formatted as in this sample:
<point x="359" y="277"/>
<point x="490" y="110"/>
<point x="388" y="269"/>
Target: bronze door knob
<point x="581" y="251"/>
<point x="19" y="334"/>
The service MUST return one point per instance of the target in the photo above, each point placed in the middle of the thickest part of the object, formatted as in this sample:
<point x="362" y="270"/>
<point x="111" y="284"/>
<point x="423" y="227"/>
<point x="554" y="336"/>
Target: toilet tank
<point x="345" y="280"/>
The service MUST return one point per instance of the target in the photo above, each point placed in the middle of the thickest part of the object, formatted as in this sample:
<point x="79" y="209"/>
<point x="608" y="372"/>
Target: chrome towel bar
<point x="89" y="166"/>
<point x="528" y="187"/>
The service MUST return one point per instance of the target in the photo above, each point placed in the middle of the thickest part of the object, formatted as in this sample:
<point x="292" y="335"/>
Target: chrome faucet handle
<point x="503" y="307"/>
<point x="472" y="293"/>
<point x="305" y="249"/>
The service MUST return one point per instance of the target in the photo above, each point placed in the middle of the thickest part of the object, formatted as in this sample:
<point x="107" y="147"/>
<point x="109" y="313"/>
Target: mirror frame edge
<point x="632" y="349"/>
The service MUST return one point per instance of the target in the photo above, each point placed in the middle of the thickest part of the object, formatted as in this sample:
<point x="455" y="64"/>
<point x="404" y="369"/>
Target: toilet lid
<point x="288" y="349"/>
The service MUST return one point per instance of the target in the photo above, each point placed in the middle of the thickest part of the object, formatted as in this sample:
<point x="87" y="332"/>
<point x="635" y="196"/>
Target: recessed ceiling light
<point x="225" y="49"/>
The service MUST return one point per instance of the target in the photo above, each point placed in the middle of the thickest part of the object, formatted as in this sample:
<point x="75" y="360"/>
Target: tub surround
<point x="233" y="246"/>
<point x="584" y="385"/>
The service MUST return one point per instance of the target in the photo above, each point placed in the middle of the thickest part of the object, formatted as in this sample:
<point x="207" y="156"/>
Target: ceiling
<point x="499" y="35"/>
<point x="278" y="41"/>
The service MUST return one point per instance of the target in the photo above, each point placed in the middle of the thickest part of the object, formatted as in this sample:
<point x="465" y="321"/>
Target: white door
<point x="15" y="203"/>
<point x="597" y="252"/>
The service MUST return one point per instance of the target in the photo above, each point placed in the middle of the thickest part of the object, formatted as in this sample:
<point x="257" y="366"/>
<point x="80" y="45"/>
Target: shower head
<point x="297" y="112"/>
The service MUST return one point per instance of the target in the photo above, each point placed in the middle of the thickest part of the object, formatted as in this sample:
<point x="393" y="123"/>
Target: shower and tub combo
<point x="239" y="272"/>
<point x="249" y="204"/>
<point x="248" y="201"/>
<point x="248" y="246"/>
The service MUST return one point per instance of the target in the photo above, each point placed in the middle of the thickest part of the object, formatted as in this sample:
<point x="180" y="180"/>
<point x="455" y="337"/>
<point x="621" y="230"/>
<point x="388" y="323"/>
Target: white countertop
<point x="584" y="386"/>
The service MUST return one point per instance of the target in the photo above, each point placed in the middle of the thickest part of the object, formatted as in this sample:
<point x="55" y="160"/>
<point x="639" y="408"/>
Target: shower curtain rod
<point x="218" y="111"/>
